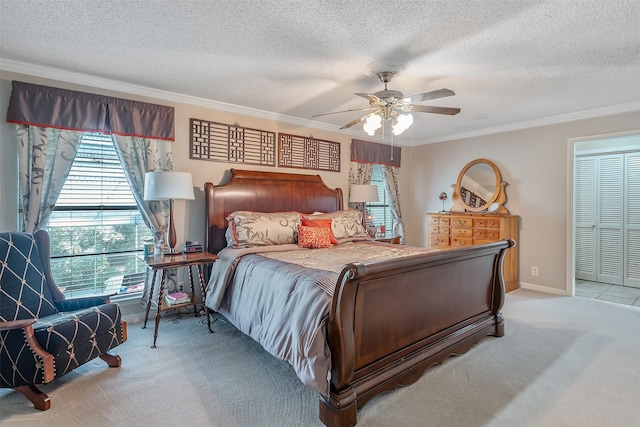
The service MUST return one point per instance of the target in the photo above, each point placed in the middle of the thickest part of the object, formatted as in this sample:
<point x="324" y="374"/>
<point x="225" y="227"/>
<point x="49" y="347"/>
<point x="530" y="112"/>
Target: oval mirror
<point x="478" y="186"/>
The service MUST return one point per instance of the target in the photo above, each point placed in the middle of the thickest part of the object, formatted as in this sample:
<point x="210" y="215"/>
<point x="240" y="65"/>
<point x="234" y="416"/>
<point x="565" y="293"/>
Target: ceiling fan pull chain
<point x="391" y="145"/>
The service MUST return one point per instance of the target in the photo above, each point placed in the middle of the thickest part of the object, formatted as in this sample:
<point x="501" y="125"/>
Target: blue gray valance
<point x="372" y="152"/>
<point x="45" y="106"/>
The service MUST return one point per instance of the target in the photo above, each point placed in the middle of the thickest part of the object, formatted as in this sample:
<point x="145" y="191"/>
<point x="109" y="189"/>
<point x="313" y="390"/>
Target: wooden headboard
<point x="263" y="192"/>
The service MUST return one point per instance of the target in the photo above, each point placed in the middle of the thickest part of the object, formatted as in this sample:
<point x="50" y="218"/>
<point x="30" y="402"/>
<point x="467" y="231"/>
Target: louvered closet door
<point x="610" y="220"/>
<point x="585" y="218"/>
<point x="632" y="220"/>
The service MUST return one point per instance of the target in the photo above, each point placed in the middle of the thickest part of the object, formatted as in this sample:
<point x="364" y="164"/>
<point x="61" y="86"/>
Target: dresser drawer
<point x="439" y="220"/>
<point x="493" y="235"/>
<point x="493" y="222"/>
<point x="479" y="233"/>
<point x="442" y="241"/>
<point x="461" y="241"/>
<point x="458" y="221"/>
<point x="434" y="229"/>
<point x="460" y="231"/>
<point x="480" y="223"/>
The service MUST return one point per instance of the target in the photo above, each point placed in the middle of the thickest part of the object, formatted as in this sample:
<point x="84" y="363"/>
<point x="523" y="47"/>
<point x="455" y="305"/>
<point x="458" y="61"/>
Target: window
<point x="380" y="210"/>
<point x="96" y="229"/>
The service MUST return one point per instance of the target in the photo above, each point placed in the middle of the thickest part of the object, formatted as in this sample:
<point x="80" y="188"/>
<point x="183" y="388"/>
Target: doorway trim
<point x="570" y="281"/>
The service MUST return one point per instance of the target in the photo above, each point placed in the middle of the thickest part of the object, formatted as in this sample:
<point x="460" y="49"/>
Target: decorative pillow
<point x="313" y="237"/>
<point x="322" y="223"/>
<point x="263" y="229"/>
<point x="344" y="224"/>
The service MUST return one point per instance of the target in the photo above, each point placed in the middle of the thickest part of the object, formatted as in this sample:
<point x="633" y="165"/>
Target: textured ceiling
<point x="510" y="62"/>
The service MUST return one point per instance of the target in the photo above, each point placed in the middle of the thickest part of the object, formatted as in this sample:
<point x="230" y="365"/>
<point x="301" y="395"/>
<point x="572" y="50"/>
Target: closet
<point x="607" y="217"/>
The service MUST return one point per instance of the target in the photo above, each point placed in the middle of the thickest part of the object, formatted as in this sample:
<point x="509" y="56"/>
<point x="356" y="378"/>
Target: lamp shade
<point x="363" y="193"/>
<point x="168" y="186"/>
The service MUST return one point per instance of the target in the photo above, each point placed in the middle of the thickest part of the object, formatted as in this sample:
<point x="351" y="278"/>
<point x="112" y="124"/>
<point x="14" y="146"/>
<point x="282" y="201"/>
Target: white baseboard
<point x="544" y="289"/>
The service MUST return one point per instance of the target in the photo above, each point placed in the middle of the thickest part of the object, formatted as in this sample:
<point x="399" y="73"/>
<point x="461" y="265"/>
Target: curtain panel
<point x="137" y="156"/>
<point x="359" y="174"/>
<point x="45" y="157"/>
<point x="44" y="106"/>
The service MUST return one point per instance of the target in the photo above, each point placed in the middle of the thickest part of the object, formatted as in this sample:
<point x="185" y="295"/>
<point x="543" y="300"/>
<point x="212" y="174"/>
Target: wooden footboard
<point x="391" y="320"/>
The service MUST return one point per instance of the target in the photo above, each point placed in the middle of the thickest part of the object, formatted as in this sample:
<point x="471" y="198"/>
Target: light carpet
<point x="562" y="362"/>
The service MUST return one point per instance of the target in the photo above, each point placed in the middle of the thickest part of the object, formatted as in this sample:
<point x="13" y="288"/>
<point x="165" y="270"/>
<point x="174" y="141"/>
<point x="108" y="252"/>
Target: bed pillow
<point x="313" y="237"/>
<point x="344" y="224"/>
<point x="248" y="229"/>
<point x="322" y="223"/>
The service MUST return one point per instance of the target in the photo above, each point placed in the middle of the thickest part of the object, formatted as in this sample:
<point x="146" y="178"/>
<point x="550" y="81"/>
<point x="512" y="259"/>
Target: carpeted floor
<point x="563" y="362"/>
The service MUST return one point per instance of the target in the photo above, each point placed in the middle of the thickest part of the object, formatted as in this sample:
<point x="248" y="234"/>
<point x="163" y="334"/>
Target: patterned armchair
<point x="42" y="335"/>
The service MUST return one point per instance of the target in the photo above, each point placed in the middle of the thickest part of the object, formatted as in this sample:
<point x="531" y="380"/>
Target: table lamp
<point x="360" y="193"/>
<point x="168" y="186"/>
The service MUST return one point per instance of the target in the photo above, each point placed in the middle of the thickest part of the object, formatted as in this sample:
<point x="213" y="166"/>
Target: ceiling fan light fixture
<point x="402" y="123"/>
<point x="372" y="123"/>
<point x="388" y="104"/>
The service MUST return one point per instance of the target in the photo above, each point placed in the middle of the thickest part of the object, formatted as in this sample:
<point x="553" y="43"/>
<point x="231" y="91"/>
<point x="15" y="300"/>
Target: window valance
<point x="45" y="106"/>
<point x="372" y="152"/>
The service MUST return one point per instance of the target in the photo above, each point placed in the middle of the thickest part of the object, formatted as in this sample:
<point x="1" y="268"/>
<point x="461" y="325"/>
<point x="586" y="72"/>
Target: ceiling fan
<point x="391" y="105"/>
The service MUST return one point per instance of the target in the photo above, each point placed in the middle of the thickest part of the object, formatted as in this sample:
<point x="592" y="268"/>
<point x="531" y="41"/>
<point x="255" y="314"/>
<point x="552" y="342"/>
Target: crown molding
<point x="545" y="121"/>
<point x="118" y="86"/>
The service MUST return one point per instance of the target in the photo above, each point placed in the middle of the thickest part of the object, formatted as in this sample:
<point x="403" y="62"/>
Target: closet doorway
<point x="606" y="188"/>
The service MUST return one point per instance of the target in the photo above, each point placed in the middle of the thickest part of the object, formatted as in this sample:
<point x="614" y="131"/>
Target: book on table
<point x="177" y="298"/>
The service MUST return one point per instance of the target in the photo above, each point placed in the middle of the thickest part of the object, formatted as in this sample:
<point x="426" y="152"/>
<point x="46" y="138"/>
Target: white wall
<point x="535" y="164"/>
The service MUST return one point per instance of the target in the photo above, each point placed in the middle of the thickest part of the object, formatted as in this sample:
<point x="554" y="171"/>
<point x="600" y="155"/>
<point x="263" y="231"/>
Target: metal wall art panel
<point x="308" y="153"/>
<point x="219" y="142"/>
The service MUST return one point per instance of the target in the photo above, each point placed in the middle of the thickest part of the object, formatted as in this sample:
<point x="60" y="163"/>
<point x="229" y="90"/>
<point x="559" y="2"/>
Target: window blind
<point x="380" y="211"/>
<point x="96" y="230"/>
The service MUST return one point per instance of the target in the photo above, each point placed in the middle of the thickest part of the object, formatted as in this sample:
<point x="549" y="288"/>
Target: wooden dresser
<point x="464" y="229"/>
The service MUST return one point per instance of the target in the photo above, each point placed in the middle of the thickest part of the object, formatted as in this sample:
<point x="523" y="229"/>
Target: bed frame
<point x="390" y="320"/>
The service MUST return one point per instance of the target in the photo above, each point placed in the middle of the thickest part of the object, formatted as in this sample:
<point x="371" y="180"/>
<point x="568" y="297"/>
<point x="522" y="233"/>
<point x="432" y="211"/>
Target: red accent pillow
<point x="313" y="237"/>
<point x="322" y="223"/>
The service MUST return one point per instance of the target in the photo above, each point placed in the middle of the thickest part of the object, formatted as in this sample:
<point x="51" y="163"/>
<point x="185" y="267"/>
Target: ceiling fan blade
<point x="434" y="94"/>
<point x="436" y="110"/>
<point x="354" y="122"/>
<point x="372" y="98"/>
<point x="346" y="111"/>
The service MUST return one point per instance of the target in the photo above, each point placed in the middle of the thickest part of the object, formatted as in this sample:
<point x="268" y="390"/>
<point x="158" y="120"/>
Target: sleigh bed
<point x="376" y="325"/>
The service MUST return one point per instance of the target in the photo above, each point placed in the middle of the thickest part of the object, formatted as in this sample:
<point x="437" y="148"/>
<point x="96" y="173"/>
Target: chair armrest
<point x="80" y="303"/>
<point x="47" y="358"/>
<point x="16" y="324"/>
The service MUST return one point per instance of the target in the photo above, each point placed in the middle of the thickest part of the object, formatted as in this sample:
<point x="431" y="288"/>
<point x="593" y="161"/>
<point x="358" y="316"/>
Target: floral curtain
<point x="140" y="155"/>
<point x="359" y="174"/>
<point x="45" y="156"/>
<point x="391" y="175"/>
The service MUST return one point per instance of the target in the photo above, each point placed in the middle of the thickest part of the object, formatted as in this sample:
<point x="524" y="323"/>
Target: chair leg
<point x="39" y="399"/>
<point x="113" y="360"/>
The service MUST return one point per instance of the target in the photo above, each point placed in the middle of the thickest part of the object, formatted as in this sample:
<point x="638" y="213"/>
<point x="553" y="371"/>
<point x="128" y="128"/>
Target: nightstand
<point x="166" y="262"/>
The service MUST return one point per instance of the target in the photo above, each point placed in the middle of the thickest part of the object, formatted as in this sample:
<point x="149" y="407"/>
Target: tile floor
<point x="606" y="292"/>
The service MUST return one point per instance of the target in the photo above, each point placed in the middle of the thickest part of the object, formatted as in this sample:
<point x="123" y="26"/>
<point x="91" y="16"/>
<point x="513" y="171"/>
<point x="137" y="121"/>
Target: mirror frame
<point x="498" y="197"/>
